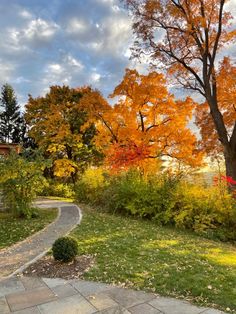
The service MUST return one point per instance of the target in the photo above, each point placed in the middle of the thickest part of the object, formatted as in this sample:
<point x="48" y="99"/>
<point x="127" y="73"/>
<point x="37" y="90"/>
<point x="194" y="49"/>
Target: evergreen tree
<point x="11" y="121"/>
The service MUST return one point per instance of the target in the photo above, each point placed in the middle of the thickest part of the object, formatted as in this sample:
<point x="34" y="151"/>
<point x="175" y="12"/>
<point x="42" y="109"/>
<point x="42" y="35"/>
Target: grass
<point x="17" y="229"/>
<point x="141" y="255"/>
<point x="58" y="198"/>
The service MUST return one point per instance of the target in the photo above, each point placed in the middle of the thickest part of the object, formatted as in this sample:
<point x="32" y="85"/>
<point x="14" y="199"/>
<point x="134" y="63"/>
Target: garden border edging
<point x="23" y="267"/>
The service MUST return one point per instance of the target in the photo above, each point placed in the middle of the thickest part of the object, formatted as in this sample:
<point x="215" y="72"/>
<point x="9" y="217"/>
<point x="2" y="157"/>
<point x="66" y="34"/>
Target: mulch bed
<point x="49" y="268"/>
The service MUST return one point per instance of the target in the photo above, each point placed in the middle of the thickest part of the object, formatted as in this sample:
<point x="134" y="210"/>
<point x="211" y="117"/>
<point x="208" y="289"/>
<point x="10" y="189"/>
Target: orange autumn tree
<point x="64" y="129"/>
<point x="187" y="36"/>
<point x="147" y="124"/>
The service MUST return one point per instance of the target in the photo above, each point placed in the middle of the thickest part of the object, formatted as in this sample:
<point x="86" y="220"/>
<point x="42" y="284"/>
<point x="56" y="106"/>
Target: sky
<point x="71" y="42"/>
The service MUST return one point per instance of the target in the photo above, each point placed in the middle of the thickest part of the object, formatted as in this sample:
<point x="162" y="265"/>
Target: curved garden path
<point x="20" y="255"/>
<point x="33" y="295"/>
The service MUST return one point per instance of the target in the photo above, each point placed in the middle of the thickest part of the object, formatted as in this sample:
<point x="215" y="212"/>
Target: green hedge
<point x="165" y="199"/>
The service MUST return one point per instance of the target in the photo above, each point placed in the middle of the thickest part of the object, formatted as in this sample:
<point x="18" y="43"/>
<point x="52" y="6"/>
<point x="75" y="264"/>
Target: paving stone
<point x="144" y="308"/>
<point x="32" y="282"/>
<point x="87" y="288"/>
<point x="4" y="308"/>
<point x="22" y="300"/>
<point x="128" y="298"/>
<point x="212" y="311"/>
<point x="115" y="310"/>
<point x="101" y="301"/>
<point x="53" y="282"/>
<point x="75" y="304"/>
<point x="64" y="291"/>
<point x="174" y="306"/>
<point x="30" y="310"/>
<point x="83" y="297"/>
<point x="10" y="285"/>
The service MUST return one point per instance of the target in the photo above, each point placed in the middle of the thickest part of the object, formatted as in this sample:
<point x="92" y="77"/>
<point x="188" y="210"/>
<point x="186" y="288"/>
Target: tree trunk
<point x="229" y="149"/>
<point x="230" y="165"/>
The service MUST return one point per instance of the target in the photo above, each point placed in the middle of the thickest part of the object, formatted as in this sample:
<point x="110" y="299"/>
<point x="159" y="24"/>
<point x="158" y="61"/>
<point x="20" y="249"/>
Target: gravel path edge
<point x="15" y="245"/>
<point x="23" y="267"/>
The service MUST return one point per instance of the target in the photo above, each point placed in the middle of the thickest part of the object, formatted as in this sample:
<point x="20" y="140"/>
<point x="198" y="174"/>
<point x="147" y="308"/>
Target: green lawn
<point x="141" y="255"/>
<point x="14" y="229"/>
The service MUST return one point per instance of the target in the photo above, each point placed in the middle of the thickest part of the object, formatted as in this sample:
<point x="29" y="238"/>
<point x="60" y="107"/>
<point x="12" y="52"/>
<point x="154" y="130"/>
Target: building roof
<point x="5" y="148"/>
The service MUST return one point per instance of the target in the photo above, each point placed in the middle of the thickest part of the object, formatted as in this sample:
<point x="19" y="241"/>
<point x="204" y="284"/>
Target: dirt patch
<point x="49" y="268"/>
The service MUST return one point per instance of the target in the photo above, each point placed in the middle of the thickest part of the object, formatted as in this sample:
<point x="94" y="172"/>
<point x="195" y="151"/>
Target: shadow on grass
<point x="142" y="255"/>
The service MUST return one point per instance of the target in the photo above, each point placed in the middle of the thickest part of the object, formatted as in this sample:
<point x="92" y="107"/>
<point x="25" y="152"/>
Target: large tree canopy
<point x="61" y="125"/>
<point x="186" y="36"/>
<point x="148" y="123"/>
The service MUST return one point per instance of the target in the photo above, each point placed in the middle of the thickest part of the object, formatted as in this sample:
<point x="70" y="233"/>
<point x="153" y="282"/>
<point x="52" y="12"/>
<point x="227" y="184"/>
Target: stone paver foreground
<point x="32" y="295"/>
<point x="18" y="255"/>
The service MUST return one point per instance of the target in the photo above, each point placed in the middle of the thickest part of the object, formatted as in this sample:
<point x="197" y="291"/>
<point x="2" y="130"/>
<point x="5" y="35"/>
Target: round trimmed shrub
<point x="65" y="249"/>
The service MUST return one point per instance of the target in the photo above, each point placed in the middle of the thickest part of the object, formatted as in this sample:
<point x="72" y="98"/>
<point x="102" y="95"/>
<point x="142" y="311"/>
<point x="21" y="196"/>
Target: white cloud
<point x="96" y="46"/>
<point x="25" y="14"/>
<point x="77" y="26"/>
<point x="39" y="29"/>
<point x="110" y="34"/>
<point x="95" y="77"/>
<point x="112" y="37"/>
<point x="117" y="33"/>
<point x="61" y="72"/>
<point x="73" y="62"/>
<point x="54" y="68"/>
<point x="35" y="33"/>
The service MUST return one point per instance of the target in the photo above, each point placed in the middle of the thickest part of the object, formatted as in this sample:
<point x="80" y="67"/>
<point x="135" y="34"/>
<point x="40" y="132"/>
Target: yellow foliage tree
<point x="62" y="125"/>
